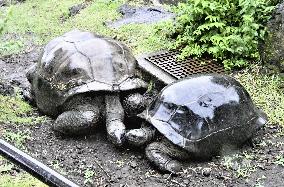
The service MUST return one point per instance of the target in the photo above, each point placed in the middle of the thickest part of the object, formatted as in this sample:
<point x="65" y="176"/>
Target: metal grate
<point x="167" y="61"/>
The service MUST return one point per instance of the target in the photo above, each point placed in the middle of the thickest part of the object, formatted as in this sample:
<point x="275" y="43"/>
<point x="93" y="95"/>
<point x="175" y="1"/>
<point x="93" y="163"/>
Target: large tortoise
<point x="200" y="116"/>
<point x="85" y="79"/>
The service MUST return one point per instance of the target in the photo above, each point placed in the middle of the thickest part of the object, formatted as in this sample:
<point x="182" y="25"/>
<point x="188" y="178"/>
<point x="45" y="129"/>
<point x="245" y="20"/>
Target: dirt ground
<point x="94" y="161"/>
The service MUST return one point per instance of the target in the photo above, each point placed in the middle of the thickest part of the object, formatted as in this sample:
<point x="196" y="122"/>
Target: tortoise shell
<point x="80" y="62"/>
<point x="202" y="113"/>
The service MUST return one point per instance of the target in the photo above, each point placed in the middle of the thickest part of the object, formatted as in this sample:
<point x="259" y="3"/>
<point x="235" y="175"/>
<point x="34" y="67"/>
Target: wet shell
<point x="205" y="113"/>
<point x="80" y="62"/>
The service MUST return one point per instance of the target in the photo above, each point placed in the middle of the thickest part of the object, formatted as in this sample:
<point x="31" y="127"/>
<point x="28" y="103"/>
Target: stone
<point x="133" y="164"/>
<point x="272" y="49"/>
<point x="186" y="181"/>
<point x="206" y="172"/>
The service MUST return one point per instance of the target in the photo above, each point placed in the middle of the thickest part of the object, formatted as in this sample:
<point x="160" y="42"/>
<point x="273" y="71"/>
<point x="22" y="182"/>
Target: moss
<point x="20" y="180"/>
<point x="17" y="179"/>
<point x="13" y="110"/>
<point x="266" y="91"/>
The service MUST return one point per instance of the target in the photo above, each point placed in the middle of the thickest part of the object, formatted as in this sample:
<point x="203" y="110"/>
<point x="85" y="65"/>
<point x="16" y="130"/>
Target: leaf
<point x="227" y="30"/>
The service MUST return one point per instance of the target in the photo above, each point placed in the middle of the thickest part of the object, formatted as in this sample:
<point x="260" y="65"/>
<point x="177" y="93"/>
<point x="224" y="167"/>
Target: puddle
<point x="140" y="15"/>
<point x="168" y="2"/>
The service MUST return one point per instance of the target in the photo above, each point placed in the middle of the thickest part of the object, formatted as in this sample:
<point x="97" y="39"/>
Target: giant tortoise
<point x="200" y="116"/>
<point x="83" y="79"/>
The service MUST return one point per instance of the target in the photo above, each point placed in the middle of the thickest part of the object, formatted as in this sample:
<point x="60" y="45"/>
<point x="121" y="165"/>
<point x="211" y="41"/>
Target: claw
<point x="116" y="132"/>
<point x="173" y="167"/>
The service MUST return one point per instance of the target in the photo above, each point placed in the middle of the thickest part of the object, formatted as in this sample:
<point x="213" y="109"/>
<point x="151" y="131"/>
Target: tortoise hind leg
<point x="164" y="155"/>
<point x="80" y="117"/>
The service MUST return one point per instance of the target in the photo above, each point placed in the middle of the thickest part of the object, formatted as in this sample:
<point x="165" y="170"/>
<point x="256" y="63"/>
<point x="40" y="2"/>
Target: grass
<point x="241" y="165"/>
<point x="20" y="180"/>
<point x="88" y="175"/>
<point x="11" y="178"/>
<point x="266" y="91"/>
<point x="38" y="21"/>
<point x="279" y="160"/>
<point x="18" y="138"/>
<point x="13" y="110"/>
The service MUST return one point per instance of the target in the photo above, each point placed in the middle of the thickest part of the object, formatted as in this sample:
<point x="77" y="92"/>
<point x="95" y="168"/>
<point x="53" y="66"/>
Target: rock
<point x="76" y="9"/>
<point x="133" y="164"/>
<point x="2" y="3"/>
<point x="9" y="2"/>
<point x="118" y="174"/>
<point x="272" y="50"/>
<point x="206" y="172"/>
<point x="166" y="176"/>
<point x="6" y="88"/>
<point x="186" y="181"/>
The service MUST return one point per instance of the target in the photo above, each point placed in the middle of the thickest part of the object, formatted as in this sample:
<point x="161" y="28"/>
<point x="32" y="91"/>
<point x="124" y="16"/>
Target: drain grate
<point x="167" y="61"/>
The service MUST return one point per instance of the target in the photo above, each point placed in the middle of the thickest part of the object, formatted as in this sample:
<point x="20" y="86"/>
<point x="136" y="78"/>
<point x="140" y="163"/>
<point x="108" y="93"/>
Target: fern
<point x="226" y="30"/>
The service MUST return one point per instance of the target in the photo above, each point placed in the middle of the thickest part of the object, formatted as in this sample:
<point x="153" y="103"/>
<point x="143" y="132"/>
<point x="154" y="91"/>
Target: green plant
<point x="279" y="160"/>
<point x="11" y="46"/>
<point x="11" y="176"/>
<point x="5" y="166"/>
<point x="266" y="91"/>
<point x="18" y="138"/>
<point x="240" y="164"/>
<point x="13" y="110"/>
<point x="227" y="30"/>
<point x="19" y="180"/>
<point x="88" y="174"/>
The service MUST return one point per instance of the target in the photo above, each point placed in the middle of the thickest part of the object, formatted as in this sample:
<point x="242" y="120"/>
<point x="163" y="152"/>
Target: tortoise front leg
<point x="114" y="119"/>
<point x="141" y="136"/>
<point x="163" y="155"/>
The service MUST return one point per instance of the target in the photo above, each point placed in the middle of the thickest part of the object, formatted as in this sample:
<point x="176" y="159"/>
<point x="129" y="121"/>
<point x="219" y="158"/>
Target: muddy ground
<point x="94" y="161"/>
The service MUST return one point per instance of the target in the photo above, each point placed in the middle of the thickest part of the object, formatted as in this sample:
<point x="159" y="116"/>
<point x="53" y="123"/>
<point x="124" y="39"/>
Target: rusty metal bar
<point x="34" y="167"/>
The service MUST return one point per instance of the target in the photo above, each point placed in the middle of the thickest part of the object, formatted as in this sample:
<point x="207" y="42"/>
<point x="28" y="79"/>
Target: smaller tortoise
<point x="200" y="117"/>
<point x="84" y="79"/>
